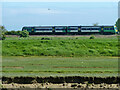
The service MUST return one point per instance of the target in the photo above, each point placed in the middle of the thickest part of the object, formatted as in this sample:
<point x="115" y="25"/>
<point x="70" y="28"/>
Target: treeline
<point x="4" y="32"/>
<point x="20" y="33"/>
<point x="12" y="32"/>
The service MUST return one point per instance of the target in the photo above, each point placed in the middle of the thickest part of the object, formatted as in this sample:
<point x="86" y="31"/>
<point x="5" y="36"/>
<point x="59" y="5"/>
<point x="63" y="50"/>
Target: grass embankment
<point x="59" y="66"/>
<point x="60" y="46"/>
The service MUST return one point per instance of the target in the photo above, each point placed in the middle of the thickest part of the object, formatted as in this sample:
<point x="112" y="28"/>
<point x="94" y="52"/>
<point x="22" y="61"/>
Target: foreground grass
<point x="60" y="66"/>
<point x="60" y="46"/>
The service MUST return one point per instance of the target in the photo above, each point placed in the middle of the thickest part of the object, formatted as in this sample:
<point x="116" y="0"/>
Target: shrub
<point x="45" y="38"/>
<point x="92" y="37"/>
<point x="24" y="33"/>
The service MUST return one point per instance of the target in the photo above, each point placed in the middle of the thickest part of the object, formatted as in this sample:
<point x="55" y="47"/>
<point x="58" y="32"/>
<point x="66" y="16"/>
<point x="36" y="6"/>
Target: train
<point x="70" y="30"/>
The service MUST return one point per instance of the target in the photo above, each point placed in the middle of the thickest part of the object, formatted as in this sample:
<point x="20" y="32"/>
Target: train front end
<point x="116" y="30"/>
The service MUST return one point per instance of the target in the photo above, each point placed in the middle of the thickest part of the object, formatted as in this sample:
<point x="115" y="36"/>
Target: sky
<point x="59" y="0"/>
<point x="15" y="15"/>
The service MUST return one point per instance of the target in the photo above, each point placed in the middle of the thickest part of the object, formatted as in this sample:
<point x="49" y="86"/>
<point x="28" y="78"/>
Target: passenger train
<point x="72" y="30"/>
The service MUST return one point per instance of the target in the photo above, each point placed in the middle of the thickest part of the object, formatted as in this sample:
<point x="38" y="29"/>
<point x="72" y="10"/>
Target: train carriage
<point x="90" y="29"/>
<point x="43" y="30"/>
<point x="60" y="29"/>
<point x="108" y="30"/>
<point x="73" y="30"/>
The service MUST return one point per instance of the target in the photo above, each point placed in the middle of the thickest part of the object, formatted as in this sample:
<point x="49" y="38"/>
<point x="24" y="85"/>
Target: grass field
<point x="60" y="46"/>
<point x="60" y="56"/>
<point x="59" y="66"/>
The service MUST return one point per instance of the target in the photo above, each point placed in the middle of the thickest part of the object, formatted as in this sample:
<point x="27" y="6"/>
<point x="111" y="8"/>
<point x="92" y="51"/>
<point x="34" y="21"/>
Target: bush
<point x="24" y="34"/>
<point x="92" y="37"/>
<point x="45" y="38"/>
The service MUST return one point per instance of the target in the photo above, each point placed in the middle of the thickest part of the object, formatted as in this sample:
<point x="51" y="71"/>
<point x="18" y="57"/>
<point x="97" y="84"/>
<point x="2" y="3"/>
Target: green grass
<point x="60" y="56"/>
<point x="60" y="66"/>
<point x="60" y="46"/>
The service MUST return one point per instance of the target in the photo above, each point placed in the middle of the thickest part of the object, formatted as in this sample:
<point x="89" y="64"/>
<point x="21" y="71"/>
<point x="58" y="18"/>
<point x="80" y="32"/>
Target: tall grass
<point x="60" y="46"/>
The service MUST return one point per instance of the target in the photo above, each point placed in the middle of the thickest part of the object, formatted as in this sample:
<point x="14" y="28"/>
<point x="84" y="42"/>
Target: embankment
<point x="60" y="46"/>
<point x="58" y="80"/>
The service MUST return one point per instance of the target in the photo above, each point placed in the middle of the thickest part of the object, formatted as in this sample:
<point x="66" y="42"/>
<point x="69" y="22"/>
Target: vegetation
<point x="60" y="56"/>
<point x="12" y="32"/>
<point x="2" y="33"/>
<point x="92" y="37"/>
<point x="59" y="66"/>
<point x="3" y="36"/>
<point x="2" y="28"/>
<point x="60" y="46"/>
<point x="24" y="33"/>
<point x="95" y="24"/>
<point x="118" y="24"/>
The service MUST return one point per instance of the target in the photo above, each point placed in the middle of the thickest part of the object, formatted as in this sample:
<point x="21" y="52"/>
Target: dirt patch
<point x="36" y="64"/>
<point x="17" y="67"/>
<point x="73" y="35"/>
<point x="111" y="83"/>
<point x="12" y="36"/>
<point x="65" y="35"/>
<point x="83" y="67"/>
<point x="64" y="85"/>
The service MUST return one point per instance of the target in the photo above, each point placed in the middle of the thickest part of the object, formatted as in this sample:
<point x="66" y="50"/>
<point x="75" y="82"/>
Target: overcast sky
<point x="15" y="15"/>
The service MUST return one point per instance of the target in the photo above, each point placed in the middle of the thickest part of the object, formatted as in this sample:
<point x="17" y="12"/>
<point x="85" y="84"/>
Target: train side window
<point x="105" y="29"/>
<point x="83" y="28"/>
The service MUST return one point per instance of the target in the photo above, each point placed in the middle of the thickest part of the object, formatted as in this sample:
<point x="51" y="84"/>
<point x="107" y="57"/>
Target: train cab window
<point x="111" y="28"/>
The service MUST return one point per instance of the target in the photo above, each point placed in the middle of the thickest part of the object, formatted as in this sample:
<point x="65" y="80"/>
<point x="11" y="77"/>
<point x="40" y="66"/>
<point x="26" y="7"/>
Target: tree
<point x="95" y="24"/>
<point x="118" y="24"/>
<point x="2" y="32"/>
<point x="24" y="33"/>
<point x="3" y="36"/>
<point x="2" y="28"/>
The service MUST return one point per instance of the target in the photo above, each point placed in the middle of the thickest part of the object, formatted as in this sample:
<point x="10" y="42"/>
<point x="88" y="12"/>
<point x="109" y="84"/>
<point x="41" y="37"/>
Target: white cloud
<point x="60" y="0"/>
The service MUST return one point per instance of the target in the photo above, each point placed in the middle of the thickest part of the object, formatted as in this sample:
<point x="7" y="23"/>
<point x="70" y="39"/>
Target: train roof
<point x="71" y="26"/>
